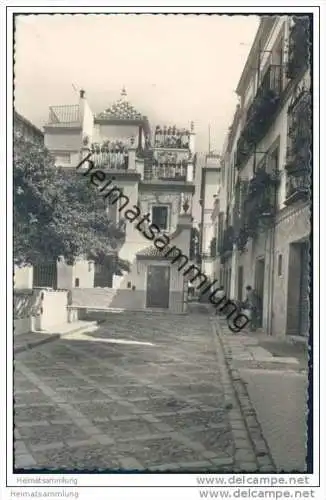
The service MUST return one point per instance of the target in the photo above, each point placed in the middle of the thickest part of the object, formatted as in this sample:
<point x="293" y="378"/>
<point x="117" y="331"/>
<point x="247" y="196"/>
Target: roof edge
<point x="28" y="122"/>
<point x="267" y="23"/>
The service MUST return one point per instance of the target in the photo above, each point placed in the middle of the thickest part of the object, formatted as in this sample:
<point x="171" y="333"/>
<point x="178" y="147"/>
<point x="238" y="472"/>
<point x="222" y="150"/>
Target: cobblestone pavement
<point x="283" y="420"/>
<point x="141" y="393"/>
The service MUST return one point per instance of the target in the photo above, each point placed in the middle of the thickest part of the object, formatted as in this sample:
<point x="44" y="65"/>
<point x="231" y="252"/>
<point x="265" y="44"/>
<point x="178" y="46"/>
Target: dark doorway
<point x="103" y="276"/>
<point x="259" y="288"/>
<point x="158" y="286"/>
<point x="45" y="275"/>
<point x="298" y="289"/>
<point x="304" y="289"/>
<point x="103" y="272"/>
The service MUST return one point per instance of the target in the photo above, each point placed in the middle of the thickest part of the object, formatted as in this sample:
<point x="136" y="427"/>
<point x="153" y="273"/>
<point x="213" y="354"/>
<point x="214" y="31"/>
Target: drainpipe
<point x="272" y="271"/>
<point x="202" y="204"/>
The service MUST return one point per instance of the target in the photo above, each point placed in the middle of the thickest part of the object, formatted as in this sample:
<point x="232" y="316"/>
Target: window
<point x="77" y="282"/>
<point x="63" y="159"/>
<point x="280" y="265"/>
<point x="160" y="216"/>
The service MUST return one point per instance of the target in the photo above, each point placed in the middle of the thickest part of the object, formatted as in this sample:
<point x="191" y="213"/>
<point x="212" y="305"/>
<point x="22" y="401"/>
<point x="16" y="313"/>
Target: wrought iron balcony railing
<point x="226" y="245"/>
<point x="264" y="105"/>
<point x="260" y="113"/>
<point x="297" y="186"/>
<point x="298" y="159"/>
<point x="299" y="135"/>
<point x="243" y="151"/>
<point x="299" y="40"/>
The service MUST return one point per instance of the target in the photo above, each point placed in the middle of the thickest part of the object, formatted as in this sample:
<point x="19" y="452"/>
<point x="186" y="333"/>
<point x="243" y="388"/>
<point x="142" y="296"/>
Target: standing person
<point x="220" y="294"/>
<point x="251" y="306"/>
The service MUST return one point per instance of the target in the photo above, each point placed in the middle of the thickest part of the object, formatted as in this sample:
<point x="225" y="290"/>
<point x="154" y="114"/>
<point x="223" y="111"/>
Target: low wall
<point x="130" y="300"/>
<point x="23" y="325"/>
<point x="54" y="309"/>
<point x="25" y="308"/>
<point x="23" y="277"/>
<point x="41" y="309"/>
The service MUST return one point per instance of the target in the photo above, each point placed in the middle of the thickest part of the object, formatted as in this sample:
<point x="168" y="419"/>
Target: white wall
<point x="54" y="309"/>
<point x="23" y="325"/>
<point x="23" y="277"/>
<point x="103" y="132"/>
<point x="84" y="271"/>
<point x="63" y="139"/>
<point x="212" y="183"/>
<point x="64" y="275"/>
<point x="88" y="121"/>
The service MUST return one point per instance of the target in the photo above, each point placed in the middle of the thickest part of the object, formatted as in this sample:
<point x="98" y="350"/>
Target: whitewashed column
<point x="190" y="171"/>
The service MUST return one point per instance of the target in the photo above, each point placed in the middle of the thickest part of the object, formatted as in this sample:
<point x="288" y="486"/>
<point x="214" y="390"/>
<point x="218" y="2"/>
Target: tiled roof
<point x="153" y="252"/>
<point x="121" y="110"/>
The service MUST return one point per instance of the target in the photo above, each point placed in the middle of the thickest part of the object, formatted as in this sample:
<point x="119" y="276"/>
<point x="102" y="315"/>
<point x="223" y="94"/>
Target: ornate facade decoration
<point x="121" y="110"/>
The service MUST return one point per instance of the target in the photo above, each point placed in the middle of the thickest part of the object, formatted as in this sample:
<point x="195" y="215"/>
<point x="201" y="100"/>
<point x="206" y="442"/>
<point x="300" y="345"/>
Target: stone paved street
<point x="141" y="392"/>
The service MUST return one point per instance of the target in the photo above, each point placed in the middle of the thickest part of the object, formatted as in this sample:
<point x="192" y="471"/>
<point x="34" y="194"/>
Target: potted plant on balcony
<point x="259" y="117"/>
<point x="298" y="46"/>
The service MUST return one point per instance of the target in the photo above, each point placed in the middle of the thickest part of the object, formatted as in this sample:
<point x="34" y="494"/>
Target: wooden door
<point x="158" y="287"/>
<point x="304" y="290"/>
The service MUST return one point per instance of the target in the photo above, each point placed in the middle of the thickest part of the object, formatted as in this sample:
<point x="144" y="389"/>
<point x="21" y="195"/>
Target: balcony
<point x="298" y="160"/>
<point x="243" y="151"/>
<point x="260" y="200"/>
<point x="171" y="137"/>
<point x="264" y="105"/>
<point x="257" y="209"/>
<point x="299" y="40"/>
<point x="226" y="244"/>
<point x="260" y="114"/>
<point x="297" y="187"/>
<point x="110" y="155"/>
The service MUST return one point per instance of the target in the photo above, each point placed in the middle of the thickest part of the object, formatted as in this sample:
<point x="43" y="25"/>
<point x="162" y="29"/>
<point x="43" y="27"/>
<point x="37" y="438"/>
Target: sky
<point x="176" y="68"/>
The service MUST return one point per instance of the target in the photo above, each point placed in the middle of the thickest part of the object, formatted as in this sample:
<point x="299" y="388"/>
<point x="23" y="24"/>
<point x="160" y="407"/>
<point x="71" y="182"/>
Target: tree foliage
<point x="57" y="212"/>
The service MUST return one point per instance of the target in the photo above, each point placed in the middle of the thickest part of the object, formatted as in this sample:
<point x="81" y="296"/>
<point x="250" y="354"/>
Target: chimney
<point x="82" y="102"/>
